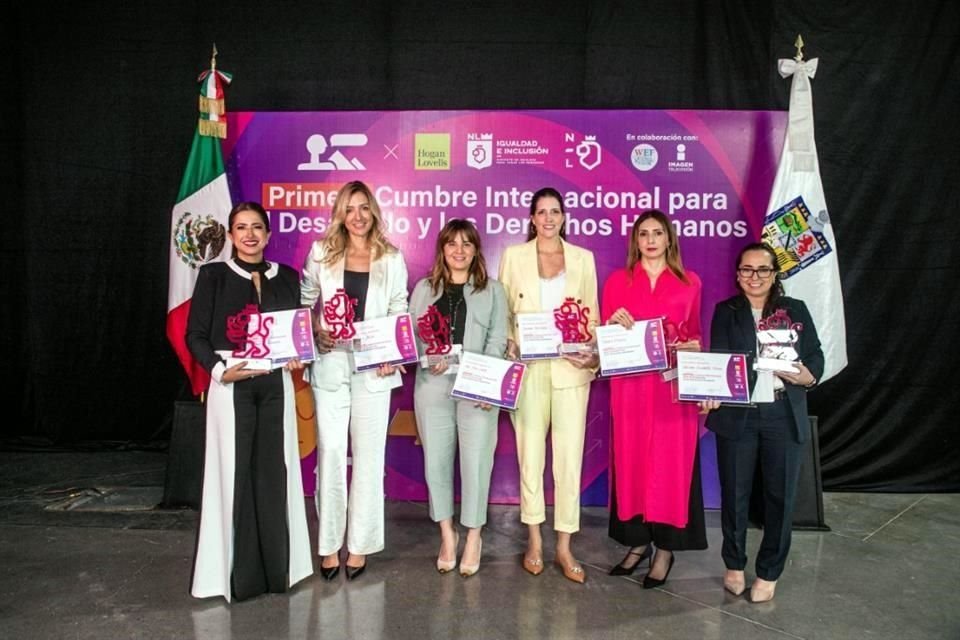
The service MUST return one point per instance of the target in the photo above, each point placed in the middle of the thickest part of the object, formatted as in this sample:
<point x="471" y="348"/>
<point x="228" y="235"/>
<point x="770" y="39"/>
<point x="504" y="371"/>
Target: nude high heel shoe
<point x="467" y="570"/>
<point x="446" y="566"/>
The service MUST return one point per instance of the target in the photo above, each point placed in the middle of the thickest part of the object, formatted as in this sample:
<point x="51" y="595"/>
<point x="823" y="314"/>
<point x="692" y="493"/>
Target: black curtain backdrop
<point x="99" y="110"/>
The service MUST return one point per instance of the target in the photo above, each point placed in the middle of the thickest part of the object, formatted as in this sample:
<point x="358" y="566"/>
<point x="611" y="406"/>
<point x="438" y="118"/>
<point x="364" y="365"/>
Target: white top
<point x="551" y="291"/>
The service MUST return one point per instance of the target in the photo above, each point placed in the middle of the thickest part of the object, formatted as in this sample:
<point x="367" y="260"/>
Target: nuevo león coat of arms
<point x="795" y="236"/>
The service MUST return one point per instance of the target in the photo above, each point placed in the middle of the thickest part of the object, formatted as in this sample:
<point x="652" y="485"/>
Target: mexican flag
<point x="198" y="228"/>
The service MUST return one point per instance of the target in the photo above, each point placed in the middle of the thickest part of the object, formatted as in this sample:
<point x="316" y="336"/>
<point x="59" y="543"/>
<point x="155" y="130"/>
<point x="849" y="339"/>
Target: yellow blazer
<point x="519" y="275"/>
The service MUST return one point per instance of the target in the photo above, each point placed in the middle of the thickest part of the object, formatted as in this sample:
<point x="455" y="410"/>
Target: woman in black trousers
<point x="253" y="536"/>
<point x="770" y="434"/>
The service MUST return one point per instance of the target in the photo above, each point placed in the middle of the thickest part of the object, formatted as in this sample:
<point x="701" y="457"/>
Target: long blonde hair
<point x="674" y="263"/>
<point x="335" y="241"/>
<point x="440" y="273"/>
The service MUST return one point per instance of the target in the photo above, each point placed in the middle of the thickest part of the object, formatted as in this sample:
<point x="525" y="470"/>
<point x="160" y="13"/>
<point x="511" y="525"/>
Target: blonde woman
<point x="357" y="258"/>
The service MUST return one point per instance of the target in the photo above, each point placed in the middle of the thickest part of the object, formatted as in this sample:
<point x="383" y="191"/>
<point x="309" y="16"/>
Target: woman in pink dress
<point x="656" y="499"/>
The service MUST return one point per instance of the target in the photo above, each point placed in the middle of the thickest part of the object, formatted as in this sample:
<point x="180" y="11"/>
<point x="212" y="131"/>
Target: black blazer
<point x="733" y="329"/>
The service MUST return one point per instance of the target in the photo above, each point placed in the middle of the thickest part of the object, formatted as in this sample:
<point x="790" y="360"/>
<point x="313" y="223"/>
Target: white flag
<point x="798" y="226"/>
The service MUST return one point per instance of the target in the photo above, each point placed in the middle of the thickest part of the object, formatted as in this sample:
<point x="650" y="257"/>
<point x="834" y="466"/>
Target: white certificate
<point x="387" y="340"/>
<point x="487" y="379"/>
<point x="636" y="350"/>
<point x="539" y="336"/>
<point x="276" y="337"/>
<point x="712" y="376"/>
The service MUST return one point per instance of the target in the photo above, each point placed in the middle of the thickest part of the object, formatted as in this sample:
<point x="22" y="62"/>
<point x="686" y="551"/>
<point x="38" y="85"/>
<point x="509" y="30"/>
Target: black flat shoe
<point x="329" y="573"/>
<point x="653" y="583"/>
<point x="622" y="570"/>
<point x="354" y="572"/>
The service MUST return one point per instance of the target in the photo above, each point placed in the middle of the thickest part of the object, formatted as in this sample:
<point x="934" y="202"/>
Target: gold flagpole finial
<point x="213" y="57"/>
<point x="799" y="45"/>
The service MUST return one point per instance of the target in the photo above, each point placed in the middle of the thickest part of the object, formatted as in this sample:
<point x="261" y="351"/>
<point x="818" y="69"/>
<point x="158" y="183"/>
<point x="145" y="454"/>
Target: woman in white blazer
<point x="475" y="306"/>
<point x="356" y="258"/>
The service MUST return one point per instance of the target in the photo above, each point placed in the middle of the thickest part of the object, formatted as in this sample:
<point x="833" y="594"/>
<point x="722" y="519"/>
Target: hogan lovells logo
<point x="431" y="152"/>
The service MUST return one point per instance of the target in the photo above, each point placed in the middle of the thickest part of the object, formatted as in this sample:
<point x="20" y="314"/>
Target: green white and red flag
<point x="198" y="228"/>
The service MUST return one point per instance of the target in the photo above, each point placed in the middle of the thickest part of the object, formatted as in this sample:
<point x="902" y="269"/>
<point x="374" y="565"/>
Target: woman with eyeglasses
<point x="771" y="434"/>
<point x="656" y="498"/>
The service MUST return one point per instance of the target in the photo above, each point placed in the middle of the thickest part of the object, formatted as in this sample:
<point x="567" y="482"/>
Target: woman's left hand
<point x="802" y="378"/>
<point x="706" y="406"/>
<point x="582" y="361"/>
<point x="293" y="365"/>
<point x="440" y="367"/>
<point x="388" y="369"/>
<point x="689" y="345"/>
<point x="483" y="405"/>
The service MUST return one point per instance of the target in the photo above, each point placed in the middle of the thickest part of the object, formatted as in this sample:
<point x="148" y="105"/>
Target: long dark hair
<point x="776" y="291"/>
<point x="250" y="205"/>
<point x="440" y="274"/>
<point x="672" y="256"/>
<point x="546" y="192"/>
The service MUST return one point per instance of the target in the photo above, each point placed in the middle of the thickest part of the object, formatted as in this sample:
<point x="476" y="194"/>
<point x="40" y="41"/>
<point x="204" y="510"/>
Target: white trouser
<point x="351" y="409"/>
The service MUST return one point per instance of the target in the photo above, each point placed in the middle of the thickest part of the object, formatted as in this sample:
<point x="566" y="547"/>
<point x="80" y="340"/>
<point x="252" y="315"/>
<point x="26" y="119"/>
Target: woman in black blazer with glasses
<point x="771" y="434"/>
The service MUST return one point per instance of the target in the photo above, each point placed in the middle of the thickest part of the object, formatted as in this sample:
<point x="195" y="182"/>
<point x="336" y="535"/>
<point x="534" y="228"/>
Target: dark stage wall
<point x="98" y="114"/>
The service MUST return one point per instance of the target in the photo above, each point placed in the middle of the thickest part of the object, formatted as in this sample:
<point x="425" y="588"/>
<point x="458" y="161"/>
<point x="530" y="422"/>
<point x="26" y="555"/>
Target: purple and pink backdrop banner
<point x="710" y="171"/>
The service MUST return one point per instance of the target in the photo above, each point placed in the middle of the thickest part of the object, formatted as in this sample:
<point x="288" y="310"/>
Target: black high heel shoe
<point x="329" y="573"/>
<point x="354" y="572"/>
<point x="623" y="570"/>
<point x="653" y="583"/>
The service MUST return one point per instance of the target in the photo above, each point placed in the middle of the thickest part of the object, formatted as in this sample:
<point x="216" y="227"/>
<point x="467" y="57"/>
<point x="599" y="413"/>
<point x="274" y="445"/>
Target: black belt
<point x="779" y="394"/>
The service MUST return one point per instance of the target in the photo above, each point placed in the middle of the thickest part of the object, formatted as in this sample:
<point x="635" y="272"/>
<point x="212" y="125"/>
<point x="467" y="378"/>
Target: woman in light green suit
<point x="475" y="308"/>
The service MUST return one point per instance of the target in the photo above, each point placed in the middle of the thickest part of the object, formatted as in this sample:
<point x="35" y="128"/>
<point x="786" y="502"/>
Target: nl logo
<point x="587" y="151"/>
<point x="479" y="150"/>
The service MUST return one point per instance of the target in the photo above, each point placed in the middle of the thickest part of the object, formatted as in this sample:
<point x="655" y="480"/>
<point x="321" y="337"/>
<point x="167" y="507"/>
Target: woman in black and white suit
<point x="475" y="306"/>
<point x="253" y="536"/>
<point x="356" y="257"/>
<point x="771" y="434"/>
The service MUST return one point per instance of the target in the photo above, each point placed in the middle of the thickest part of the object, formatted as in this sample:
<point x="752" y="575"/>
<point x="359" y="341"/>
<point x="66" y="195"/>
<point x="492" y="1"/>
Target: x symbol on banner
<point x="391" y="151"/>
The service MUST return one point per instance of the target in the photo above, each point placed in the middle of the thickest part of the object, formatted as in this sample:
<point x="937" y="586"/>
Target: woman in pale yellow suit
<point x="538" y="275"/>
